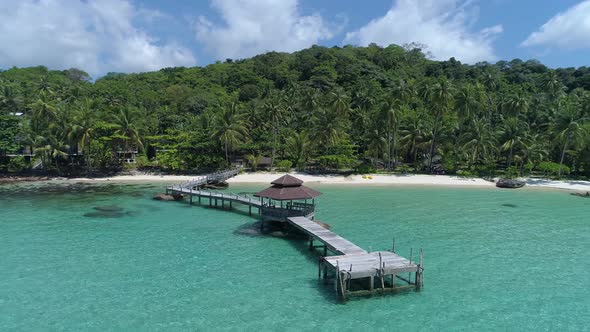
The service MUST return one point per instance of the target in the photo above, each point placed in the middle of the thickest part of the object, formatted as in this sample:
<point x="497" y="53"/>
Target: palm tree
<point x="275" y="113"/>
<point x="516" y="104"/>
<point x="83" y="129"/>
<point x="299" y="146"/>
<point x="414" y="135"/>
<point x="440" y="96"/>
<point x="230" y="128"/>
<point x="389" y="119"/>
<point x="328" y="129"/>
<point x="340" y="102"/>
<point x="512" y="136"/>
<point x="479" y="140"/>
<point x="44" y="109"/>
<point x="126" y="125"/>
<point x="571" y="129"/>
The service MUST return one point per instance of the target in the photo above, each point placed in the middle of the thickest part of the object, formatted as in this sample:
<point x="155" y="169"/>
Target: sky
<point x="101" y="36"/>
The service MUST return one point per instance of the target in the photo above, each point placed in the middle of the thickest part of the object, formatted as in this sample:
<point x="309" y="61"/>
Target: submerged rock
<point x="585" y="195"/>
<point x="166" y="197"/>
<point x="109" y="208"/>
<point x="510" y="205"/>
<point x="105" y="214"/>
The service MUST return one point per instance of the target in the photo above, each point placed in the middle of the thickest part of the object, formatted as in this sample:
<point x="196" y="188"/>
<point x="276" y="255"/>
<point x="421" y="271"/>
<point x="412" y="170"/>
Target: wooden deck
<point x="352" y="262"/>
<point x="349" y="263"/>
<point x="331" y="240"/>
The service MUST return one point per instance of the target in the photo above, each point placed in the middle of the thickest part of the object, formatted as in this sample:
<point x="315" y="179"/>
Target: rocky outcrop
<point x="585" y="195"/>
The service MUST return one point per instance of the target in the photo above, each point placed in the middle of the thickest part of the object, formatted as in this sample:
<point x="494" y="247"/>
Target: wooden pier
<point x="354" y="263"/>
<point x="353" y="269"/>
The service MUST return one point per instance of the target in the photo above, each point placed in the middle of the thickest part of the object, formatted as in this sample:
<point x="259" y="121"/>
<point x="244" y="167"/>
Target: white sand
<point x="410" y="179"/>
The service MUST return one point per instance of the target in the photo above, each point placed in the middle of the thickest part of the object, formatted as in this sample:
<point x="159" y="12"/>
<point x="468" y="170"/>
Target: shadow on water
<point x="510" y="205"/>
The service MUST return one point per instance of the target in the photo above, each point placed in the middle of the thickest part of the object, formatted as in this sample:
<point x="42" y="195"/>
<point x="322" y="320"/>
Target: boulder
<point x="510" y="183"/>
<point x="166" y="197"/>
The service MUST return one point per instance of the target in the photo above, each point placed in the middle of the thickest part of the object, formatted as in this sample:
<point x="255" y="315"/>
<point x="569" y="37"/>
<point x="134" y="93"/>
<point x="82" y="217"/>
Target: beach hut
<point x="287" y="197"/>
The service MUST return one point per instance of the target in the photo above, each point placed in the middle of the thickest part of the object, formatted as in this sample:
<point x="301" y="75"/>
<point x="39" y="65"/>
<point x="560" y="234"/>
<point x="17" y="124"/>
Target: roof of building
<point x="287" y="181"/>
<point x="287" y="188"/>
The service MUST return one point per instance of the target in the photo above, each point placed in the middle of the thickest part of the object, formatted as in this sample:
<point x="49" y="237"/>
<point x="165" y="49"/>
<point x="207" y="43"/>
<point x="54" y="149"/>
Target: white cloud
<point x="256" y="26"/>
<point x="444" y="26"/>
<point x="96" y="35"/>
<point x="570" y="29"/>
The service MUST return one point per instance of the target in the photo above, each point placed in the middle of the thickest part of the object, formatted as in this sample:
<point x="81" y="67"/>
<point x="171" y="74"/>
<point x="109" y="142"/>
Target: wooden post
<point x="320" y="268"/>
<point x="393" y="246"/>
<point x="410" y="273"/>
<point x="337" y="281"/>
<point x="191" y="198"/>
<point x="310" y="243"/>
<point x="325" y="250"/>
<point x="383" y="277"/>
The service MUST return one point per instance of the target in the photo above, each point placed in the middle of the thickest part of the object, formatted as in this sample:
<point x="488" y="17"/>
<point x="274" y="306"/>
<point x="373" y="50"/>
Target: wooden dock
<point x="354" y="263"/>
<point x="349" y="265"/>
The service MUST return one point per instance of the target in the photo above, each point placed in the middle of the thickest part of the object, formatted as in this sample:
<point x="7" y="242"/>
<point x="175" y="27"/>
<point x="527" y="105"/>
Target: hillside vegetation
<point x="358" y="108"/>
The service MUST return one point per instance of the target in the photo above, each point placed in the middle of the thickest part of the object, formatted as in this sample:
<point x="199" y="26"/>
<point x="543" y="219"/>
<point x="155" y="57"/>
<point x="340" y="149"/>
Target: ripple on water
<point x="163" y="266"/>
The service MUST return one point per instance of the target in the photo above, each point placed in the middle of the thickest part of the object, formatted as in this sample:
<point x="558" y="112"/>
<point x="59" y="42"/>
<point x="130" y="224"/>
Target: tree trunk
<point x="562" y="157"/>
<point x="510" y="155"/>
<point x="434" y="133"/>
<point x="226" y="153"/>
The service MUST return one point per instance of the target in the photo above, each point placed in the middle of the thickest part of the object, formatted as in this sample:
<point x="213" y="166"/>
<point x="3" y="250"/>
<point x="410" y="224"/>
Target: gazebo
<point x="287" y="197"/>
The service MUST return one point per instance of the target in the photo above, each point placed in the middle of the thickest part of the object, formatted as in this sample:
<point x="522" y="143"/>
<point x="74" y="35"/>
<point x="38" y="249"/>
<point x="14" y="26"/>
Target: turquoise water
<point x="494" y="260"/>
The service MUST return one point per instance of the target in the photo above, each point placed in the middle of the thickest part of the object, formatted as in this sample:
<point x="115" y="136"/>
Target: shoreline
<point x="375" y="180"/>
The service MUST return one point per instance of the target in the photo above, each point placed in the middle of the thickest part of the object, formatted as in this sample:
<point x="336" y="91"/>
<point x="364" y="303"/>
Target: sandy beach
<point x="409" y="179"/>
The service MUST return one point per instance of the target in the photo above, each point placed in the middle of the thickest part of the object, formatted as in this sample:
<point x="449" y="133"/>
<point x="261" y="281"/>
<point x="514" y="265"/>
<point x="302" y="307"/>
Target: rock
<point x="109" y="208"/>
<point x="510" y="183"/>
<point x="166" y="197"/>
<point x="585" y="195"/>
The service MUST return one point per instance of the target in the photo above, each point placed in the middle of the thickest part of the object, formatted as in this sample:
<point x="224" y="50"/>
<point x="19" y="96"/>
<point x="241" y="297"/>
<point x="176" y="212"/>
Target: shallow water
<point x="494" y="260"/>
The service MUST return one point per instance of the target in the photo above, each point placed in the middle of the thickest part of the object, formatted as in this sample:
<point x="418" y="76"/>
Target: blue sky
<point x="132" y="36"/>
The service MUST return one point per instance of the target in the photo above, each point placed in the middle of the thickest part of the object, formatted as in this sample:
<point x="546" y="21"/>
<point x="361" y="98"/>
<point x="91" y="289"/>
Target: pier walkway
<point x="349" y="265"/>
<point x="352" y="262"/>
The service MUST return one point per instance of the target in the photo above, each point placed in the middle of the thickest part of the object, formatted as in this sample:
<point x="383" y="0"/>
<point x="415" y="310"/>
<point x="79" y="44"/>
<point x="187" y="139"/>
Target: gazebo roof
<point x="287" y="181"/>
<point x="288" y="188"/>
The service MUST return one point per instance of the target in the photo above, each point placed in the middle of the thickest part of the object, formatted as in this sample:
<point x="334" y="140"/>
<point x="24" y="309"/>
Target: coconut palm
<point x="479" y="140"/>
<point x="230" y="128"/>
<point x="570" y="128"/>
<point x="389" y="119"/>
<point x="513" y="134"/>
<point x="440" y="96"/>
<point x="299" y="146"/>
<point x="126" y="125"/>
<point x="83" y="129"/>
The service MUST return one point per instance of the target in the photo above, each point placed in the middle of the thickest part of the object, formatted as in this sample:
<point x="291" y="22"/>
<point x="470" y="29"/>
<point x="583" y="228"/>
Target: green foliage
<point x="365" y="169"/>
<point x="552" y="169"/>
<point x="9" y="133"/>
<point x="284" y="165"/>
<point x="511" y="172"/>
<point x="325" y="106"/>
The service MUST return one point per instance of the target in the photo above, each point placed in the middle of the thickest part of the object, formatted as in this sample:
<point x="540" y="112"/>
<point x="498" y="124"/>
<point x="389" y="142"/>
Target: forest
<point x="360" y="109"/>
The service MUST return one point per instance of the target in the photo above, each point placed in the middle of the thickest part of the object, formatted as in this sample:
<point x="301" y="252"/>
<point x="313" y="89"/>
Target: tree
<point x="230" y="128"/>
<point x="440" y="98"/>
<point x="300" y="147"/>
<point x="570" y="128"/>
<point x="512" y="137"/>
<point x="126" y="125"/>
